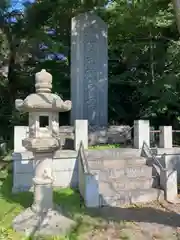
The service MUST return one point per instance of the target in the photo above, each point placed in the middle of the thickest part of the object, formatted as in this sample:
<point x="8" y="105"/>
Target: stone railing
<point x="144" y="132"/>
<point x="87" y="182"/>
<point x="151" y="153"/>
<point x="167" y="177"/>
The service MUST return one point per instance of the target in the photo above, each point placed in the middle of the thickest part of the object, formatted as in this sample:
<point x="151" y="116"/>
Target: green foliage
<point x="144" y="55"/>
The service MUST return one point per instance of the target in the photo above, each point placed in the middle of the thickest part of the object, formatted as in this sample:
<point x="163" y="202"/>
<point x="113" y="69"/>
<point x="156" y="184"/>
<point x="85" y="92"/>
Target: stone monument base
<point x="52" y="223"/>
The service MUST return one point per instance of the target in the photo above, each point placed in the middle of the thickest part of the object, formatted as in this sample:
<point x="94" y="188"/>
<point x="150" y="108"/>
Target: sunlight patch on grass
<point x="105" y="146"/>
<point x="12" y="204"/>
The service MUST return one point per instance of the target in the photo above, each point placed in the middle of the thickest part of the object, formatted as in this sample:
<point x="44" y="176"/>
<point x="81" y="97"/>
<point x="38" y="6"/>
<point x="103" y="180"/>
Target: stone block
<point x="91" y="197"/>
<point x="64" y="164"/>
<point x="97" y="136"/>
<point x="65" y="169"/>
<point x="168" y="182"/>
<point x="81" y="134"/>
<point x="66" y="179"/>
<point x="22" y="182"/>
<point x="119" y="134"/>
<point x="23" y="166"/>
<point x="165" y="137"/>
<point x="20" y="133"/>
<point x="111" y="135"/>
<point x="141" y="133"/>
<point x="130" y="172"/>
<point x="134" y="196"/>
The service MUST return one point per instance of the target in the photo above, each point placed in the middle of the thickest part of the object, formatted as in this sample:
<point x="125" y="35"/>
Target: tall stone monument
<point x="43" y="108"/>
<point x="89" y="69"/>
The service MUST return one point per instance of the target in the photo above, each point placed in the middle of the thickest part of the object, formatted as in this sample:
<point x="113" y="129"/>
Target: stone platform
<point x="65" y="166"/>
<point x="65" y="169"/>
<point x="52" y="223"/>
<point x="122" y="172"/>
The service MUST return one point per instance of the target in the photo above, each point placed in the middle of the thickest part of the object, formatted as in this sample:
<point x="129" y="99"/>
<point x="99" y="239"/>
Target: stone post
<point x="165" y="137"/>
<point x="20" y="132"/>
<point x="168" y="182"/>
<point x="81" y="134"/>
<point x="141" y="133"/>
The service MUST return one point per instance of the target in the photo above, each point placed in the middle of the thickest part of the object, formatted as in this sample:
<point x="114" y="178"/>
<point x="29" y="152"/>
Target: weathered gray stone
<point x="165" y="137"/>
<point x="65" y="169"/>
<point x="168" y="182"/>
<point x="87" y="182"/>
<point x="42" y="141"/>
<point x="20" y="132"/>
<point x="89" y="69"/>
<point x="141" y="133"/>
<point x="22" y="182"/>
<point x="51" y="223"/>
<point x="110" y="135"/>
<point x="125" y="183"/>
<point x="96" y="135"/>
<point x="131" y="172"/>
<point x="91" y="195"/>
<point x="113" y="198"/>
<point x="81" y="134"/>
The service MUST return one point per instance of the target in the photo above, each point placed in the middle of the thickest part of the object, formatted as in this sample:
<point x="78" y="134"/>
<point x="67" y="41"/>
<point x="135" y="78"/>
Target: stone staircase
<point x="123" y="177"/>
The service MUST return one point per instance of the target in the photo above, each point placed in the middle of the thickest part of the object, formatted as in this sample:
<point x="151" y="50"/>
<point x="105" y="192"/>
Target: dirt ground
<point x="155" y="221"/>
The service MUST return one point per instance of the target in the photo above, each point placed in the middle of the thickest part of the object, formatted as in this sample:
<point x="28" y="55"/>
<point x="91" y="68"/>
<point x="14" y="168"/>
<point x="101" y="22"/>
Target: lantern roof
<point x="43" y="99"/>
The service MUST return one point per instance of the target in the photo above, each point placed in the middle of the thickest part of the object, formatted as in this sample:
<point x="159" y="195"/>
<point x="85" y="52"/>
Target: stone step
<point x="130" y="172"/>
<point x="113" y="154"/>
<point x="135" y="196"/>
<point x="120" y="163"/>
<point x="125" y="183"/>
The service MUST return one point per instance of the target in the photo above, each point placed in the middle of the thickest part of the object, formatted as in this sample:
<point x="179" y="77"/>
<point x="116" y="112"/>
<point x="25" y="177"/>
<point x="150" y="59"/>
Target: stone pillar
<point x="168" y="182"/>
<point x="165" y="137"/>
<point x="81" y="134"/>
<point x="89" y="69"/>
<point x="43" y="180"/>
<point x="141" y="133"/>
<point x="20" y="132"/>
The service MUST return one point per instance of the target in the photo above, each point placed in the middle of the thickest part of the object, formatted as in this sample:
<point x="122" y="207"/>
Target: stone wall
<point x="64" y="166"/>
<point x="112" y="134"/>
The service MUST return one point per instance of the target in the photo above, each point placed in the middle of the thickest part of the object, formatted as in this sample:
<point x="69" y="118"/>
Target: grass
<point x="89" y="224"/>
<point x="105" y="146"/>
<point x="12" y="204"/>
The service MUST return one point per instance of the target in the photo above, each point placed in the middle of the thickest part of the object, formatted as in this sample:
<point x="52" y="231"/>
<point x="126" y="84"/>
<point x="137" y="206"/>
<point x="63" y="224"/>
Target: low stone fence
<point x="144" y="132"/>
<point x="94" y="136"/>
<point x="70" y="135"/>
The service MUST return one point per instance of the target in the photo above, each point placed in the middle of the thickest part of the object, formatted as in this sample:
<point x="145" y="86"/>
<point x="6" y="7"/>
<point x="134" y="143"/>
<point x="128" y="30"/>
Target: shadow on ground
<point x="73" y="207"/>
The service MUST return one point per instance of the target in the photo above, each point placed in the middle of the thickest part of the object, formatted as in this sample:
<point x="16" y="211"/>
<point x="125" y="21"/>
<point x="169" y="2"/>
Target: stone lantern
<point x="43" y="140"/>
